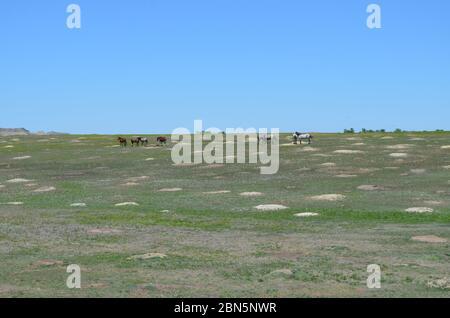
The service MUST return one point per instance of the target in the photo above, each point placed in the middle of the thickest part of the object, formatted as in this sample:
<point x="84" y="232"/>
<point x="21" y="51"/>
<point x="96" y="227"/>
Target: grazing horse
<point x="122" y="141"/>
<point x="299" y="137"/>
<point x="143" y="140"/>
<point x="135" y="141"/>
<point x="161" y="140"/>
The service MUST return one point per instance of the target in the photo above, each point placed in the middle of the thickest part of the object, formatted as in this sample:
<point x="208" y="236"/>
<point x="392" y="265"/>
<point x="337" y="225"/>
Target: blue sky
<point x="149" y="66"/>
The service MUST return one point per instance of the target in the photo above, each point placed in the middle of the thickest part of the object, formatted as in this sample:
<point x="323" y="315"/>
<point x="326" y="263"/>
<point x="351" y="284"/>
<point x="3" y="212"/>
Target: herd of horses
<point x="140" y="141"/>
<point x="143" y="141"/>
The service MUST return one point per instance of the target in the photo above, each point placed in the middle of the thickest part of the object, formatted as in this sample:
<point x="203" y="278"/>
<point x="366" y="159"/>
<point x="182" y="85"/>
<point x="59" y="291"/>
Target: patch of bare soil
<point x="310" y="149"/>
<point x="398" y="155"/>
<point x="217" y="192"/>
<point x="131" y="184"/>
<point x="22" y="158"/>
<point x="137" y="179"/>
<point x="127" y="204"/>
<point x="48" y="263"/>
<point x="400" y="146"/>
<point x="306" y="214"/>
<point x="18" y="180"/>
<point x="13" y="203"/>
<point x="348" y="152"/>
<point x="328" y="197"/>
<point x="328" y="164"/>
<point x="44" y="189"/>
<point x="251" y="194"/>
<point x="418" y="171"/>
<point x="170" y="190"/>
<point x="78" y="205"/>
<point x="147" y="256"/>
<point x="270" y="207"/>
<point x="370" y="187"/>
<point x="100" y="231"/>
<point x="429" y="239"/>
<point x="443" y="283"/>
<point x="420" y="210"/>
<point x="346" y="176"/>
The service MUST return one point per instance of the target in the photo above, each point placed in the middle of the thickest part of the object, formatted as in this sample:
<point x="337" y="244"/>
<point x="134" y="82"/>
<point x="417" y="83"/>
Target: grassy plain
<point x="219" y="245"/>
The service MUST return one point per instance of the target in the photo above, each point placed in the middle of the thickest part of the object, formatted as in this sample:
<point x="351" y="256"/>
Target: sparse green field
<point x="219" y="245"/>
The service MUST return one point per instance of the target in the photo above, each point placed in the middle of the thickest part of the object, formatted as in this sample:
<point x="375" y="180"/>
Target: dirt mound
<point x="328" y="197"/>
<point x="21" y="158"/>
<point x="78" y="205"/>
<point x="310" y="149"/>
<point x="170" y="190"/>
<point x="443" y="283"/>
<point x="47" y="263"/>
<point x="398" y="155"/>
<point x="306" y="214"/>
<point x="147" y="256"/>
<point x="429" y="239"/>
<point x="251" y="194"/>
<point x="217" y="192"/>
<point x="348" y="152"/>
<point x="18" y="180"/>
<point x="400" y="146"/>
<point x="370" y="187"/>
<point x="419" y="210"/>
<point x="137" y="179"/>
<point x="328" y="164"/>
<point x="270" y="207"/>
<point x="104" y="231"/>
<point x="418" y="171"/>
<point x="44" y="189"/>
<point x="13" y="203"/>
<point x="127" y="204"/>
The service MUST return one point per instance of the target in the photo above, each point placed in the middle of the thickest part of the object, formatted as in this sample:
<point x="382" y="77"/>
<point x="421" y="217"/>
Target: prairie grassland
<point x="80" y="200"/>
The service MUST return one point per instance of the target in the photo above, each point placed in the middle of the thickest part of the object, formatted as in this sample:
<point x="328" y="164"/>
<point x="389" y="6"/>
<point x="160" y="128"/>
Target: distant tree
<point x="398" y="130"/>
<point x="364" y="130"/>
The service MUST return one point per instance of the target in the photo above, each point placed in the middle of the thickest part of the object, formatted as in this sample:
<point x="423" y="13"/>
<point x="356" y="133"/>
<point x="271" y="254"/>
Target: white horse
<point x="299" y="137"/>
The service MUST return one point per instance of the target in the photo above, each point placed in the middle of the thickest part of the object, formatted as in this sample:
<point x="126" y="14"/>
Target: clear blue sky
<point x="147" y="66"/>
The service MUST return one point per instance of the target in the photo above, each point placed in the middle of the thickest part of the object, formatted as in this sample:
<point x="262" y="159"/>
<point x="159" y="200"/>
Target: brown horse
<point x="122" y="141"/>
<point x="161" y="140"/>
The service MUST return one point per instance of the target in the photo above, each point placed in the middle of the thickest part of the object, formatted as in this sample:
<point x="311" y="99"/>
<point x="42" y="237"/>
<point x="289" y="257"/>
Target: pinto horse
<point x="135" y="141"/>
<point x="122" y="141"/>
<point x="299" y="137"/>
<point x="161" y="140"/>
<point x="143" y="140"/>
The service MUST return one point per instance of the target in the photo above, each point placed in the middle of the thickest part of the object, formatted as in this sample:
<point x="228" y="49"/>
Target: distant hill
<point x="24" y="132"/>
<point x="14" y="132"/>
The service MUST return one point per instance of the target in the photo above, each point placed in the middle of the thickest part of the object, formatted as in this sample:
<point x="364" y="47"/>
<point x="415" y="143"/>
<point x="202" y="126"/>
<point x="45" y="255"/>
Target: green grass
<point x="219" y="245"/>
